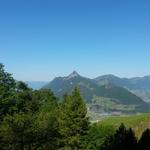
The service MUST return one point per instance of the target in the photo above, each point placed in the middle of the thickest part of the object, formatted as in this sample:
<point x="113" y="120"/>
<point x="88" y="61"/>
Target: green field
<point x="137" y="122"/>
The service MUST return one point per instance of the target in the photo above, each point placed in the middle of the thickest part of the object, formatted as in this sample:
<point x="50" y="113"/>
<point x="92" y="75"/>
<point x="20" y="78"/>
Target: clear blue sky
<point x="41" y="39"/>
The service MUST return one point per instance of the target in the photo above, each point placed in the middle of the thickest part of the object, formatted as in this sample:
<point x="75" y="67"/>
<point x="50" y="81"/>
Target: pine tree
<point x="122" y="140"/>
<point x="73" y="121"/>
<point x="144" y="142"/>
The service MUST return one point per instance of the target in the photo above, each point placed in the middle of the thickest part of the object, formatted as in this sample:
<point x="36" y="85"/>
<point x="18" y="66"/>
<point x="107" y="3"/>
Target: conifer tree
<point x="73" y="121"/>
<point x="144" y="142"/>
<point x="122" y="140"/>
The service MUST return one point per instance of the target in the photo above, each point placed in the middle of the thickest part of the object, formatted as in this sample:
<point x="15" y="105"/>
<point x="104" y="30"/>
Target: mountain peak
<point x="73" y="74"/>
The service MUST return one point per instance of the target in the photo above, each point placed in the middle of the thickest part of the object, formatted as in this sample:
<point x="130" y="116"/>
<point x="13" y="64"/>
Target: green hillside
<point x="137" y="85"/>
<point x="123" y="95"/>
<point x="138" y="122"/>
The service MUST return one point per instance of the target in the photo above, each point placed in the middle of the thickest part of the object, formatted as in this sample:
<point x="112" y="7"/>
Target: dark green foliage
<point x="96" y="136"/>
<point x="33" y="125"/>
<point x="123" y="139"/>
<point x="21" y="86"/>
<point x="7" y="89"/>
<point x="108" y="144"/>
<point x="144" y="142"/>
<point x="17" y="131"/>
<point x="41" y="97"/>
<point x="7" y="83"/>
<point x="46" y="124"/>
<point x="73" y="121"/>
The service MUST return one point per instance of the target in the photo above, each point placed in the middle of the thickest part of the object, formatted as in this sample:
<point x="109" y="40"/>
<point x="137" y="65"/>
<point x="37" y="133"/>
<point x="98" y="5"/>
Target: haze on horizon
<point x="40" y="40"/>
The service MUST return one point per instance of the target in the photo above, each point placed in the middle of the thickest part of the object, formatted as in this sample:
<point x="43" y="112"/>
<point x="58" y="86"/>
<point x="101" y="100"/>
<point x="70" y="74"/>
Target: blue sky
<point x="41" y="39"/>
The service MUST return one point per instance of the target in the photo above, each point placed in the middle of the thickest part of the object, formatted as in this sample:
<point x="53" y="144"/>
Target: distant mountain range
<point x="107" y="92"/>
<point x="110" y="91"/>
<point x="139" y="86"/>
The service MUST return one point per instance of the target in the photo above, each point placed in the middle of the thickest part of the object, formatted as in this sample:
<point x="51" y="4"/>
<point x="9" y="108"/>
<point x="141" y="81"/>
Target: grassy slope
<point x="138" y="122"/>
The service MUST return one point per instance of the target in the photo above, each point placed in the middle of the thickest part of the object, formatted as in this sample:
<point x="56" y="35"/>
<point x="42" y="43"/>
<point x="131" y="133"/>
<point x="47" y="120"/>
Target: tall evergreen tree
<point x="144" y="142"/>
<point x="122" y="140"/>
<point x="73" y="121"/>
